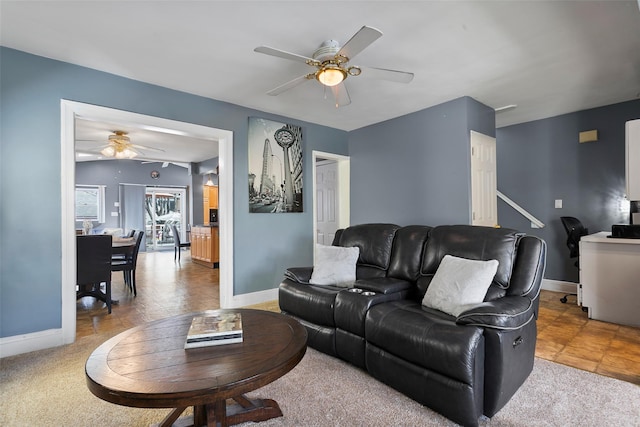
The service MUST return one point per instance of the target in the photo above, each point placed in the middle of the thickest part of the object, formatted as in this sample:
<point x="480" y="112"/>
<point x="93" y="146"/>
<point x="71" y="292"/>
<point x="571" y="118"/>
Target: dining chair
<point x="93" y="267"/>
<point x="177" y="244"/>
<point x="128" y="264"/>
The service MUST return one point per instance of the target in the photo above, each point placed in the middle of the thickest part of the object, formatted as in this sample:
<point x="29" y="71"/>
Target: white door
<point x="484" y="201"/>
<point x="326" y="201"/>
<point x="164" y="207"/>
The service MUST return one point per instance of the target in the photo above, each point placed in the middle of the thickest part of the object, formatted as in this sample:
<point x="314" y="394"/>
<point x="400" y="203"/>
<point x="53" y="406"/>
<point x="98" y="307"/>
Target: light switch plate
<point x="558" y="204"/>
<point x="114" y="213"/>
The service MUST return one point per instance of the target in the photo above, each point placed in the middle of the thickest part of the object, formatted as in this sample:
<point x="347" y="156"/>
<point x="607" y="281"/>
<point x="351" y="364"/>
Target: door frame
<point x="344" y="196"/>
<point x="70" y="111"/>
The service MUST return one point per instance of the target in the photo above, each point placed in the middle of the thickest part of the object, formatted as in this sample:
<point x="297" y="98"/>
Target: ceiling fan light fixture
<point x="331" y="75"/>
<point x="108" y="151"/>
<point x="128" y="153"/>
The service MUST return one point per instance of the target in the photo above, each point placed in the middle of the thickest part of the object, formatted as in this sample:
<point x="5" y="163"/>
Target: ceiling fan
<point x="331" y="63"/>
<point x="119" y="146"/>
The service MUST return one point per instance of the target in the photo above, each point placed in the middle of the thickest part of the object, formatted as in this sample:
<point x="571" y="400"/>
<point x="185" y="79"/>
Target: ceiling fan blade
<point x="384" y="74"/>
<point x="290" y="84"/>
<point x="282" y="54"/>
<point x="360" y="40"/>
<point x="341" y="95"/>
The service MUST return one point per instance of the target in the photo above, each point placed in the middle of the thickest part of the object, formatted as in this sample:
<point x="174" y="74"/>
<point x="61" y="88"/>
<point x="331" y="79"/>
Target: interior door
<point x="164" y="207"/>
<point x="326" y="201"/>
<point x="484" y="199"/>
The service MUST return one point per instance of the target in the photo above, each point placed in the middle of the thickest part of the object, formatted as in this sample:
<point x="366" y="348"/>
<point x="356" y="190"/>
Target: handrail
<point x="534" y="221"/>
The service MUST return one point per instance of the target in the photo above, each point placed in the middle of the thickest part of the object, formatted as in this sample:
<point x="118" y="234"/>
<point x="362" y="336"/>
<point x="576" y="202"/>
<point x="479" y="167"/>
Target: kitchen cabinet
<point x="205" y="246"/>
<point x="209" y="200"/>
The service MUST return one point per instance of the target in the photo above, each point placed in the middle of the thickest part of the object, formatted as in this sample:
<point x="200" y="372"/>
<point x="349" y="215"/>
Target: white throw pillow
<point x="335" y="265"/>
<point x="459" y="284"/>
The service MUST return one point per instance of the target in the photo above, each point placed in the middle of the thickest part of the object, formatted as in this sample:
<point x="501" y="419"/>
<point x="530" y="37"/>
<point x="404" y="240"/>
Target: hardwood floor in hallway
<point x="164" y="288"/>
<point x="167" y="287"/>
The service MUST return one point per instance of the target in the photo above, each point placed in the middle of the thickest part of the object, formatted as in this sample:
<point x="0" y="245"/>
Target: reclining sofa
<point x="462" y="366"/>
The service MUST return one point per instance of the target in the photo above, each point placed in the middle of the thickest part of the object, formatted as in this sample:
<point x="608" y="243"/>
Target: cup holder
<point x="368" y="293"/>
<point x="355" y="290"/>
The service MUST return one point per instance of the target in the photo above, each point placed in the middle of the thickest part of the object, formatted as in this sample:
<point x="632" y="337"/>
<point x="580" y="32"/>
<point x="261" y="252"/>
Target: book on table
<point x="214" y="329"/>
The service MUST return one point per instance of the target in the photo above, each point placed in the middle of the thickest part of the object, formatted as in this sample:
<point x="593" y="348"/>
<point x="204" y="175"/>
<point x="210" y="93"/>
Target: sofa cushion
<point x="334" y="265"/>
<point x="472" y="242"/>
<point x="425" y="337"/>
<point x="407" y="252"/>
<point x="459" y="284"/>
<point x="375" y="242"/>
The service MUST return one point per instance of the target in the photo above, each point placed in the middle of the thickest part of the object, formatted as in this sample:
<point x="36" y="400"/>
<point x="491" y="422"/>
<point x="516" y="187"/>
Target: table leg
<point x="251" y="410"/>
<point x="219" y="414"/>
<point x="171" y="418"/>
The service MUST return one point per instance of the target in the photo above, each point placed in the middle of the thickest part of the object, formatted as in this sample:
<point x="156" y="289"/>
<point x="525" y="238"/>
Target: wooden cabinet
<point x="209" y="200"/>
<point x="205" y="244"/>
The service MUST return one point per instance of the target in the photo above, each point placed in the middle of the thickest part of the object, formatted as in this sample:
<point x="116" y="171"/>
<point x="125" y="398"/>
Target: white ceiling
<point x="548" y="57"/>
<point x="152" y="145"/>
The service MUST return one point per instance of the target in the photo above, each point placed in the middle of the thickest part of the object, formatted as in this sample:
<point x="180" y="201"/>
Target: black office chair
<point x="93" y="267"/>
<point x="575" y="230"/>
<point x="177" y="245"/>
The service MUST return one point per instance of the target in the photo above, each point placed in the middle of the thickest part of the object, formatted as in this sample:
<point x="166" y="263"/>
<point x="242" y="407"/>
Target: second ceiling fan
<point x="331" y="63"/>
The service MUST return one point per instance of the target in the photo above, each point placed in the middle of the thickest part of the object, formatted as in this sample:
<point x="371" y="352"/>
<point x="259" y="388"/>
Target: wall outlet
<point x="558" y="204"/>
<point x="114" y="213"/>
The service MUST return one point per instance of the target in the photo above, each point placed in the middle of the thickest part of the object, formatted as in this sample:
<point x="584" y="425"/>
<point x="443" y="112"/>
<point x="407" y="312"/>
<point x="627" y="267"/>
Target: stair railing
<point x="535" y="222"/>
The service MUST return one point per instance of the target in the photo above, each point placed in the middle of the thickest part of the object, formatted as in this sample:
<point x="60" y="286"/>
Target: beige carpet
<point x="47" y="388"/>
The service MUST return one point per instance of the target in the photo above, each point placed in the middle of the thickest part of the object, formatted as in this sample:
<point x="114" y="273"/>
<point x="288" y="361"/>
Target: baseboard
<point x="254" y="298"/>
<point x="25" y="343"/>
<point x="559" y="286"/>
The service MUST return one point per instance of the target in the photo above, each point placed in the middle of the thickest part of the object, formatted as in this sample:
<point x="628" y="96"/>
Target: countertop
<point x="210" y="225"/>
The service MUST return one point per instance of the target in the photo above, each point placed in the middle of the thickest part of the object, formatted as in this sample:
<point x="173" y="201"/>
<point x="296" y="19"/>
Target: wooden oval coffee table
<point x="148" y="367"/>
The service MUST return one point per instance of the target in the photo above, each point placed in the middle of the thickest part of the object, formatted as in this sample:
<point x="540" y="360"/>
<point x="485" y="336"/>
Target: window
<point x="90" y="203"/>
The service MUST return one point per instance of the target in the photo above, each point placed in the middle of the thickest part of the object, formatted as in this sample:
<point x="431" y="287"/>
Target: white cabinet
<point x="632" y="151"/>
<point x="609" y="276"/>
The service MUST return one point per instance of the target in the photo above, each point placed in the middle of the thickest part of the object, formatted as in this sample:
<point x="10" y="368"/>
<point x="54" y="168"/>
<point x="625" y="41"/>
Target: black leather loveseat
<point x="462" y="366"/>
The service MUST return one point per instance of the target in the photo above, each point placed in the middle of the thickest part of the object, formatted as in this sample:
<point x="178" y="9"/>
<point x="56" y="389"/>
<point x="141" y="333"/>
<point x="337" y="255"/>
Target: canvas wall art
<point x="275" y="167"/>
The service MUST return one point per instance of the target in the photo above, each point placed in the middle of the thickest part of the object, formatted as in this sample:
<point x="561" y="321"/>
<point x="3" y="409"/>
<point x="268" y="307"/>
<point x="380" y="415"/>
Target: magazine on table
<point x="214" y="329"/>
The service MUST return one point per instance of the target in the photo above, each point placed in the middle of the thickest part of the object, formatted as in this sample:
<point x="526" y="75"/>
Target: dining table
<point x="122" y="245"/>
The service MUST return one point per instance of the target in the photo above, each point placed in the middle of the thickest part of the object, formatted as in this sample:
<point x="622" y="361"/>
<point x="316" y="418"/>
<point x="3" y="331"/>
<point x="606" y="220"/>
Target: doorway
<point x="70" y="111"/>
<point x="331" y="198"/>
<point x="164" y="207"/>
<point x="484" y="199"/>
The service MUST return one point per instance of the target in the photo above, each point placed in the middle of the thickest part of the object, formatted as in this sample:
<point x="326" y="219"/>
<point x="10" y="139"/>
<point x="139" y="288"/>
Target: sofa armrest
<point x="383" y="285"/>
<point x="511" y="312"/>
<point x="299" y="274"/>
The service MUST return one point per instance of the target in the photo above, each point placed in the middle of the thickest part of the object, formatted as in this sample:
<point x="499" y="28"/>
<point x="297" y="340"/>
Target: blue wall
<point x="541" y="161"/>
<point x="415" y="169"/>
<point x="410" y="170"/>
<point x="30" y="247"/>
<point x="111" y="173"/>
